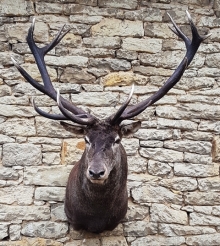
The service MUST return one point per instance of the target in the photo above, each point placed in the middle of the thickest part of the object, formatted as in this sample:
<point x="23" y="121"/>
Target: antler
<point x="191" y="49"/>
<point x="74" y="113"/>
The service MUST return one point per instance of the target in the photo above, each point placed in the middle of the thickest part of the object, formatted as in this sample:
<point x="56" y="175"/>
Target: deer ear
<point x="131" y="128"/>
<point x="77" y="129"/>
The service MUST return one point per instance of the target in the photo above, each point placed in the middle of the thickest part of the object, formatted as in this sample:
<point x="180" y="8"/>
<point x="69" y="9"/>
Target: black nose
<point x="96" y="174"/>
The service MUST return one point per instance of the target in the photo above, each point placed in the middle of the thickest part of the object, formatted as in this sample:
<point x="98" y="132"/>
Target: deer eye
<point x="87" y="140"/>
<point x="117" y="140"/>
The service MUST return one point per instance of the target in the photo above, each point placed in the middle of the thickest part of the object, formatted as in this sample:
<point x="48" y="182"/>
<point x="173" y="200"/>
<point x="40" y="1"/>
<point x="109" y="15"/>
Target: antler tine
<point x="113" y="119"/>
<point x="47" y="115"/>
<point x="191" y="49"/>
<point x="73" y="117"/>
<point x="48" y="88"/>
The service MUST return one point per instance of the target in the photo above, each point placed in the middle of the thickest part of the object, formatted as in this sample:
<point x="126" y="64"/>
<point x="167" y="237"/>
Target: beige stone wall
<point x="173" y="182"/>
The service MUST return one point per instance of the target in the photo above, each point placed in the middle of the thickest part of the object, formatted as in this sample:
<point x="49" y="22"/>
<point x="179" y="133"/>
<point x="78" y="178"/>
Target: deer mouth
<point x="97" y="181"/>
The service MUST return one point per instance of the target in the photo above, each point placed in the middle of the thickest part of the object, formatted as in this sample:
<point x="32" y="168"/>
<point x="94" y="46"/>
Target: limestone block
<point x="152" y="71"/>
<point x="25" y="241"/>
<point x="203" y="219"/>
<point x="64" y="61"/>
<point x="216" y="148"/>
<point x="196" y="170"/>
<point x="123" y="78"/>
<point x="198" y="147"/>
<point x="140" y="228"/>
<point x="119" y="4"/>
<point x="15" y="232"/>
<point x="72" y="150"/>
<point x="145" y="14"/>
<point x="3" y="231"/>
<point x="204" y="240"/>
<point x="179" y="124"/>
<point x="91" y="20"/>
<point x="17" y="111"/>
<point x="151" y="143"/>
<point x="151" y="45"/>
<point x="116" y="27"/>
<point x="162" y="155"/>
<point x="111" y="64"/>
<point x="209" y="198"/>
<point x="6" y="139"/>
<point x="209" y="184"/>
<point x="50" y="128"/>
<point x="47" y="176"/>
<point x="15" y="213"/>
<point x="137" y="164"/>
<point x="8" y="174"/>
<point x="45" y="229"/>
<point x="89" y="52"/>
<point x="128" y="55"/>
<point x="136" y="212"/>
<point x="158" y="168"/>
<point x="23" y="195"/>
<point x="50" y="193"/>
<point x="25" y="89"/>
<point x="12" y="100"/>
<point x="154" y="134"/>
<point x="209" y="126"/>
<point x="171" y="230"/>
<point x="51" y="158"/>
<point x="157" y="30"/>
<point x="131" y="145"/>
<point x="25" y="154"/>
<point x="180" y="184"/>
<point x="158" y="240"/>
<point x="76" y="75"/>
<point x="103" y="42"/>
<point x="18" y="127"/>
<point x="163" y="214"/>
<point x="95" y="99"/>
<point x="19" y="32"/>
<point x="112" y="241"/>
<point x="49" y="8"/>
<point x="197" y="135"/>
<point x="195" y="83"/>
<point x="57" y="212"/>
<point x="153" y="193"/>
<point x="17" y="7"/>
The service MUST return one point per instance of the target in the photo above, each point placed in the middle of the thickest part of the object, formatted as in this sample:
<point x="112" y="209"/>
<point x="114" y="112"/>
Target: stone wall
<point x="173" y="182"/>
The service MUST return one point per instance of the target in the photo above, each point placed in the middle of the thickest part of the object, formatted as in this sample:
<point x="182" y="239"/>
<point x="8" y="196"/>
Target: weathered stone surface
<point x="16" y="111"/>
<point x="123" y="78"/>
<point x="16" y="126"/>
<point x="119" y="4"/>
<point x="136" y="212"/>
<point x="142" y="45"/>
<point x="111" y="64"/>
<point x="180" y="183"/>
<point x="21" y="154"/>
<point x="15" y="232"/>
<point x="152" y="193"/>
<point x="158" y="168"/>
<point x="158" y="241"/>
<point x="57" y="212"/>
<point x="202" y="219"/>
<point x="8" y="174"/>
<point x="66" y="61"/>
<point x="154" y="134"/>
<point x="137" y="164"/>
<point x="203" y="240"/>
<point x="47" y="176"/>
<point x="3" y="231"/>
<point x="179" y="124"/>
<point x="163" y="214"/>
<point x="45" y="229"/>
<point x="50" y="193"/>
<point x="210" y="198"/>
<point x="140" y="228"/>
<point x="195" y="170"/>
<point x="171" y="230"/>
<point x="18" y="7"/>
<point x="76" y="75"/>
<point x="14" y="213"/>
<point x="23" y="195"/>
<point x="31" y="241"/>
<point x="110" y="241"/>
<point x="209" y="184"/>
<point x="115" y="27"/>
<point x="162" y="155"/>
<point x="51" y="158"/>
<point x="95" y="99"/>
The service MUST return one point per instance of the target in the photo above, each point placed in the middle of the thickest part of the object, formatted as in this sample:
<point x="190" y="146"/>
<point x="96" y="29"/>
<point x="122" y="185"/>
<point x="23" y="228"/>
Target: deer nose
<point x="96" y="174"/>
